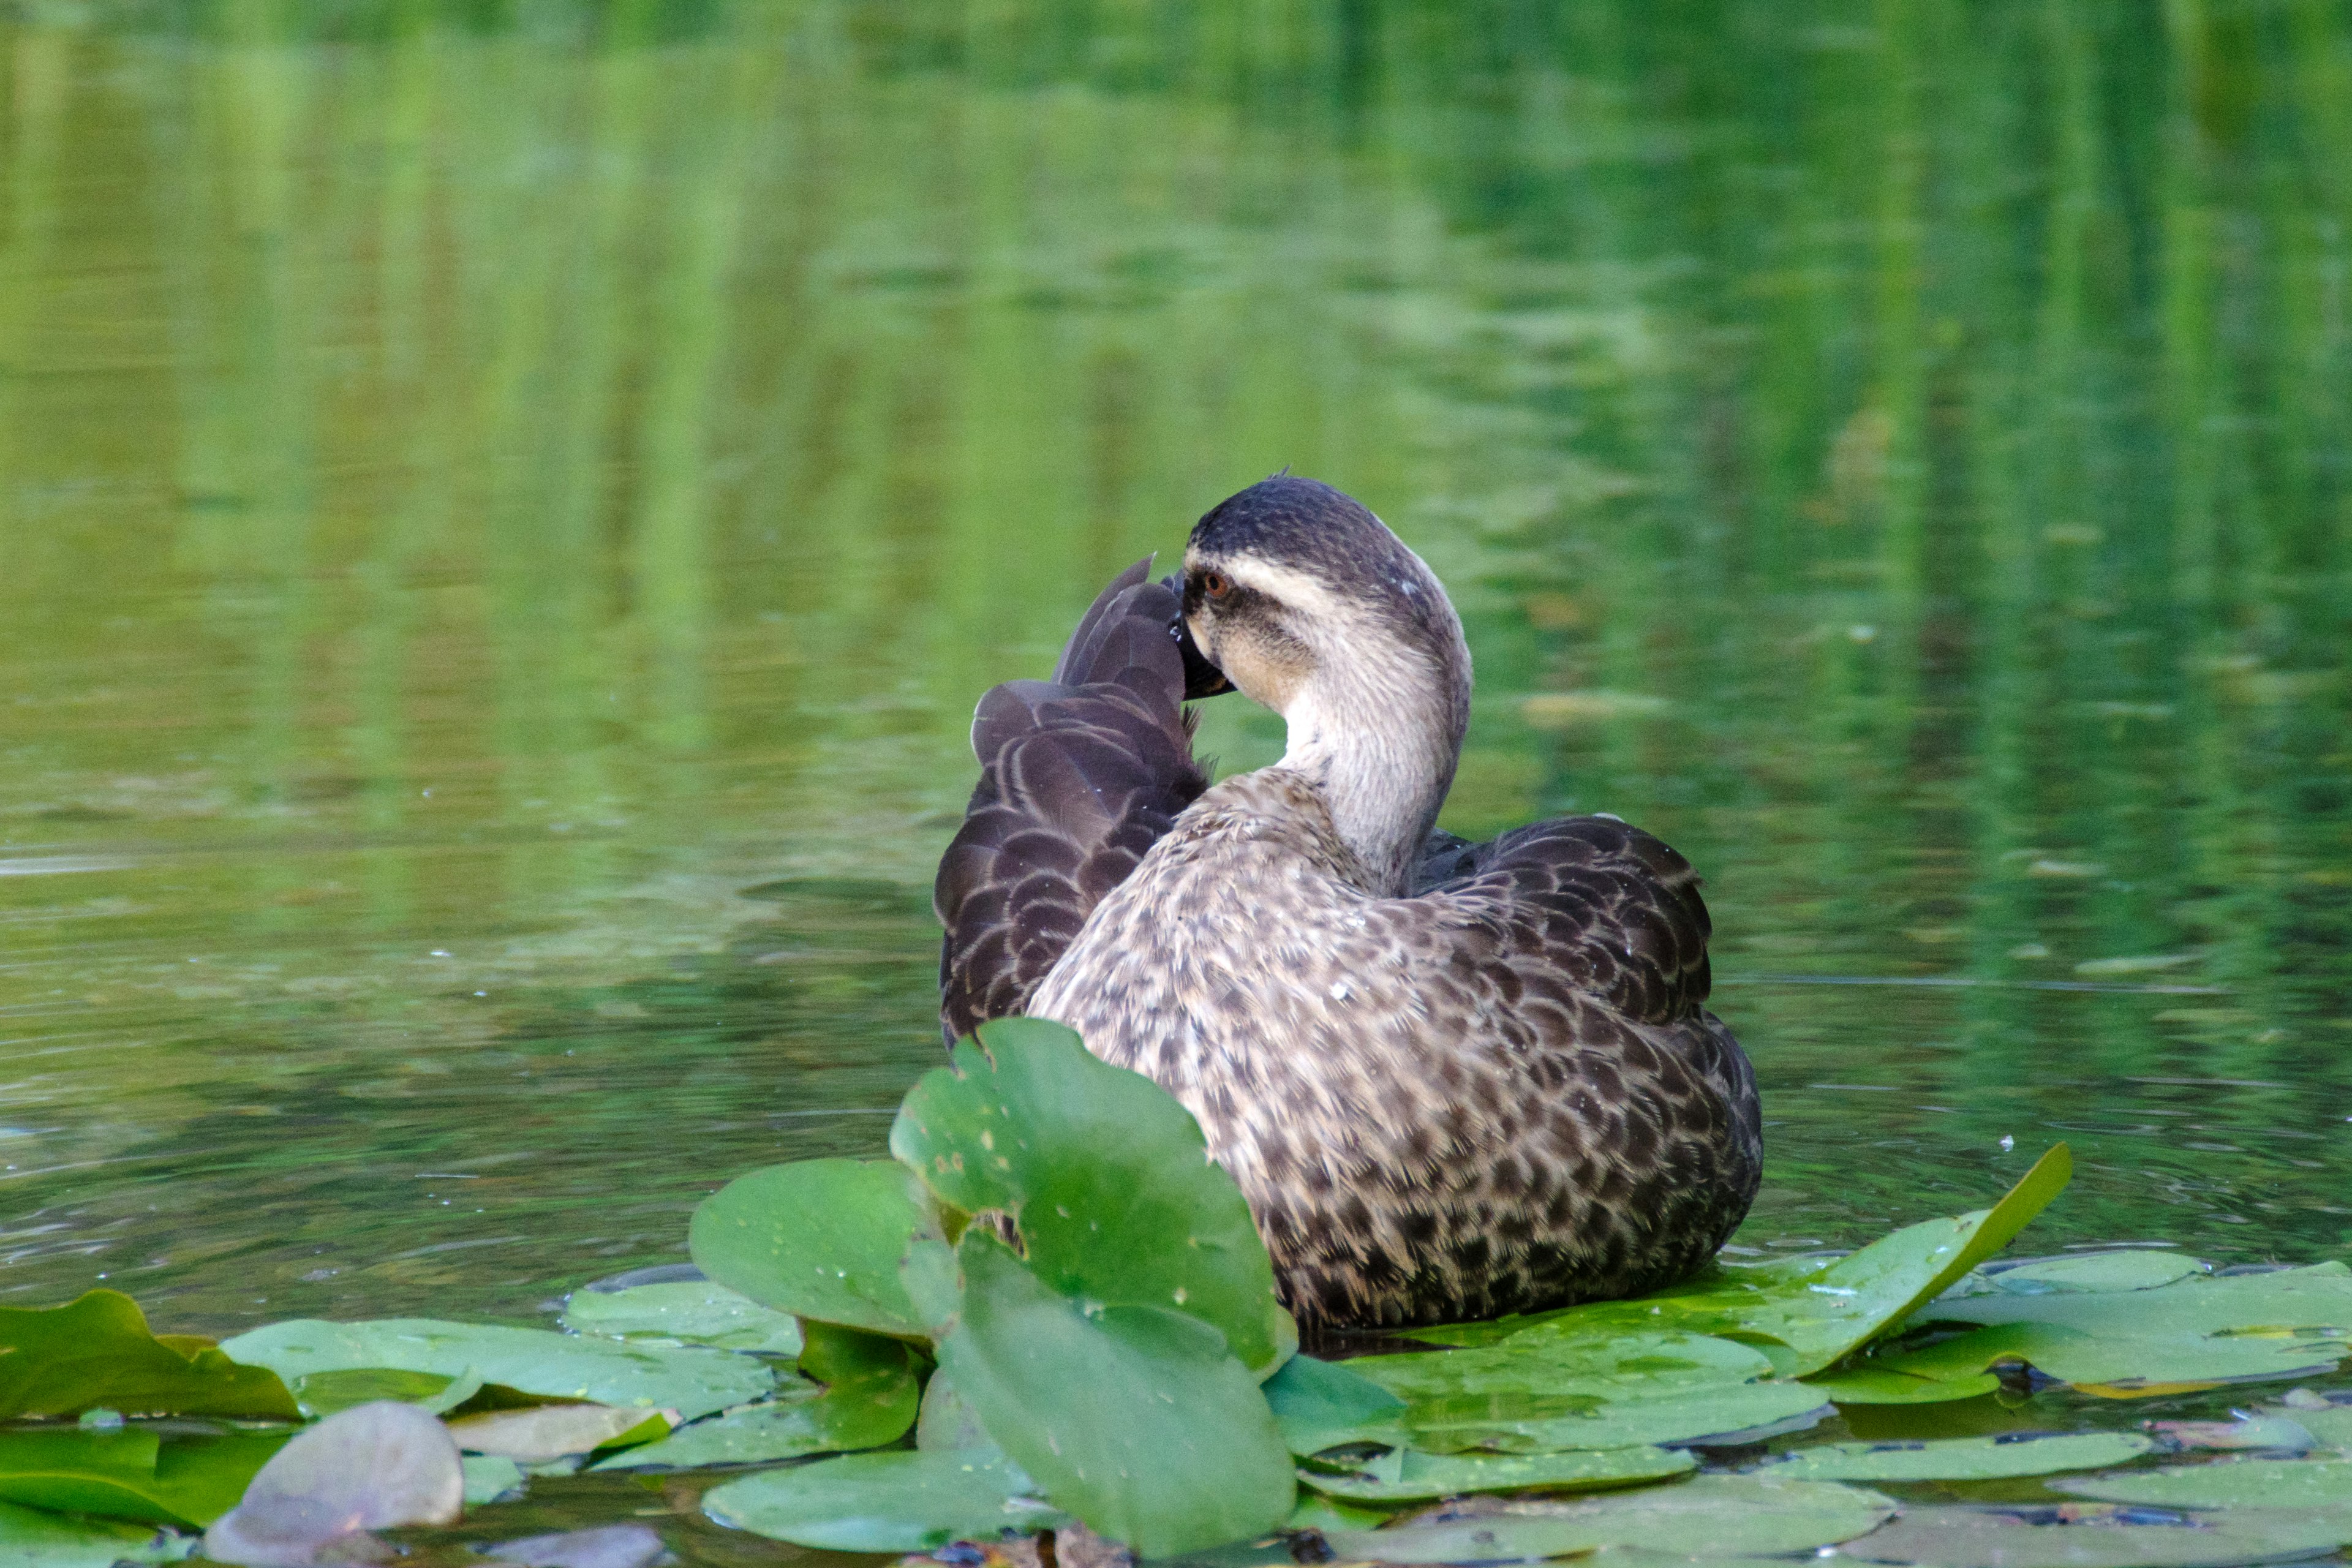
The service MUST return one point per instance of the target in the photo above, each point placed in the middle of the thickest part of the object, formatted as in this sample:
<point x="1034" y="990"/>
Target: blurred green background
<point x="505" y="510"/>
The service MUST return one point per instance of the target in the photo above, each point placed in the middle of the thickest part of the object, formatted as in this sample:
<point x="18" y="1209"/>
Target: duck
<point x="1453" y="1080"/>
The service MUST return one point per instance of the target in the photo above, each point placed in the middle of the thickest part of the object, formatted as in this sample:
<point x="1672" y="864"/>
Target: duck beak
<point x="1202" y="679"/>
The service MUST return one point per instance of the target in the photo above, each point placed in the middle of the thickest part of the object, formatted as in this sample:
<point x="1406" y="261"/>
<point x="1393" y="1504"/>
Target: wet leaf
<point x="1555" y="1387"/>
<point x="1320" y="1405"/>
<point x="897" y="1501"/>
<point x="610" y="1546"/>
<point x="33" y="1538"/>
<point x="2273" y="1431"/>
<point x="96" y="1352"/>
<point x="545" y="1432"/>
<point x="2226" y="1483"/>
<point x="1961" y="1458"/>
<point x="691" y="1380"/>
<point x="865" y="1396"/>
<point x="1805" y="1319"/>
<point x="2090" y="1538"/>
<point x="1706" y="1514"/>
<point x="133" y="1472"/>
<point x="2132" y="1268"/>
<point x="2329" y="1424"/>
<point x="946" y="1421"/>
<point x="684" y="1312"/>
<point x="370" y="1468"/>
<point x="1873" y="1383"/>
<point x="820" y="1238"/>
<point x="1403" y="1474"/>
<point x="490" y="1477"/>
<point x="325" y="1393"/>
<point x="1137" y="1419"/>
<point x="1105" y="1175"/>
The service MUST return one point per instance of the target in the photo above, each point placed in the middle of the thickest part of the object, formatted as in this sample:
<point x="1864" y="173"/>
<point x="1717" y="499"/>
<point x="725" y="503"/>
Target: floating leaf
<point x="1555" y="1387"/>
<point x="325" y="1393"/>
<point x="608" y="1546"/>
<point x="2132" y="1268"/>
<point x="1403" y="1474"/>
<point x="96" y="1352"/>
<point x="1105" y="1175"/>
<point x="1961" y="1458"/>
<point x="1808" y="1318"/>
<point x="544" y="1432"/>
<point x="1320" y="1405"/>
<point x="2328" y="1423"/>
<point x="1873" y="1383"/>
<point x="821" y="1238"/>
<point x="2270" y="1430"/>
<point x="1710" y="1515"/>
<point x="372" y="1468"/>
<point x="2078" y="1537"/>
<point x="1137" y="1419"/>
<point x="684" y="1312"/>
<point x="132" y="1472"/>
<point x="2226" y="1483"/>
<point x="491" y="1477"/>
<point x="897" y="1501"/>
<point x="32" y="1538"/>
<point x="868" y="1398"/>
<point x="691" y="1380"/>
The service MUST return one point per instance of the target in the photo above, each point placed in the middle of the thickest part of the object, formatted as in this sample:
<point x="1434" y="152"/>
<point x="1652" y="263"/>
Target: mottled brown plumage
<point x="1452" y="1081"/>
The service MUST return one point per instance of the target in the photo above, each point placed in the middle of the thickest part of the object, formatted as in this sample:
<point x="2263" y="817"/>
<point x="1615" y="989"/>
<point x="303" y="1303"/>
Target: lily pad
<point x="2270" y="1430"/>
<point x="866" y="1398"/>
<point x="895" y="1502"/>
<point x="96" y="1352"/>
<point x="1320" y="1405"/>
<point x="2227" y="1483"/>
<point x="1555" y="1387"/>
<point x="1709" y="1515"/>
<point x="1807" y="1318"/>
<point x="1961" y="1458"/>
<point x="684" y="1312"/>
<point x="2079" y="1537"/>
<point x="132" y="1472"/>
<point x="2134" y="1269"/>
<point x="491" y="1477"/>
<point x="545" y="1432"/>
<point x="1137" y="1419"/>
<point x="1872" y="1383"/>
<point x="1403" y="1474"/>
<point x="2329" y="1424"/>
<point x="692" y="1380"/>
<point x="372" y="1468"/>
<point x="1105" y="1176"/>
<point x="325" y="1393"/>
<point x="820" y="1238"/>
<point x="33" y="1538"/>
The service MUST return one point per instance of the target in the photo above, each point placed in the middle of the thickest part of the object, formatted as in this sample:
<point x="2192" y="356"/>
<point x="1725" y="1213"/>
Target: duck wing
<point x="1589" y="900"/>
<point x="1079" y="775"/>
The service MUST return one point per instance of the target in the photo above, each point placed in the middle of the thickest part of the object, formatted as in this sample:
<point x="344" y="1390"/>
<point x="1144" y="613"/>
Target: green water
<point x="504" y="514"/>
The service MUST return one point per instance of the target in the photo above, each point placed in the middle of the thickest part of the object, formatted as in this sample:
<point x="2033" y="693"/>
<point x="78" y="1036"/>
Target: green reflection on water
<point x="481" y="489"/>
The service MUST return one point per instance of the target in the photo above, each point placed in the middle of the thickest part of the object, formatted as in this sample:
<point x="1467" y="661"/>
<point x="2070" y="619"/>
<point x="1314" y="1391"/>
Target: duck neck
<point x="1380" y="747"/>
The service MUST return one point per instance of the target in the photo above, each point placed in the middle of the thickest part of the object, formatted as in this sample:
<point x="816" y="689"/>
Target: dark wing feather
<point x="1079" y="775"/>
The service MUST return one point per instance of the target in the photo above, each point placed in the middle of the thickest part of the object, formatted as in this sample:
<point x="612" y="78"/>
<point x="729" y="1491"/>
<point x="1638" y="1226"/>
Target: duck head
<point x="1306" y="602"/>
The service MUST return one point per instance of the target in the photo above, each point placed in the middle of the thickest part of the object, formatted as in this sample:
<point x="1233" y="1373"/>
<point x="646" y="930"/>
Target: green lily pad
<point x="897" y="1501"/>
<point x="1137" y="1419"/>
<point x="1962" y="1459"/>
<point x="96" y="1352"/>
<point x="1403" y="1474"/>
<point x="133" y="1472"/>
<point x="1709" y="1515"/>
<point x="2226" y="1483"/>
<point x="2195" y="1331"/>
<point x="1555" y="1387"/>
<point x="1873" y="1383"/>
<point x="1808" y="1318"/>
<point x="865" y="1397"/>
<point x="2081" y="1537"/>
<point x="2134" y="1269"/>
<point x="2330" y="1424"/>
<point x="490" y="1477"/>
<point x="541" y="1433"/>
<point x="692" y="1380"/>
<point x="1320" y="1405"/>
<point x="325" y="1393"/>
<point x="684" y="1312"/>
<point x="819" y="1238"/>
<point x="33" y="1538"/>
<point x="1105" y="1176"/>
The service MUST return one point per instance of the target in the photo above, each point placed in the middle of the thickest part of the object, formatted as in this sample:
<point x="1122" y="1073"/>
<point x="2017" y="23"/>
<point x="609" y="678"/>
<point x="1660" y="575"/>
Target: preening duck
<point x="1453" y="1080"/>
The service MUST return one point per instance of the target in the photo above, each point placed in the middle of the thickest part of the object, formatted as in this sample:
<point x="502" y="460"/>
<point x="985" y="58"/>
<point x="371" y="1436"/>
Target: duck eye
<point x="1215" y="585"/>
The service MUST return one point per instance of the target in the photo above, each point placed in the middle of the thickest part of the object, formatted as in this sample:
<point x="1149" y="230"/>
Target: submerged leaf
<point x="607" y="1546"/>
<point x="684" y="1312"/>
<point x="1105" y="1176"/>
<point x="370" y="1468"/>
<point x="1706" y="1515"/>
<point x="325" y="1393"/>
<point x="2270" y="1430"/>
<point x="898" y="1501"/>
<point x="133" y="1472"/>
<point x="1960" y="1459"/>
<point x="33" y="1538"/>
<point x="820" y="1238"/>
<point x="96" y="1352"/>
<point x="1873" y="1382"/>
<point x="544" y="1432"/>
<point x="691" y="1380"/>
<point x="868" y="1398"/>
<point x="1407" y="1473"/>
<point x="2024" y="1537"/>
<point x="1137" y="1419"/>
<point x="490" y="1477"/>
